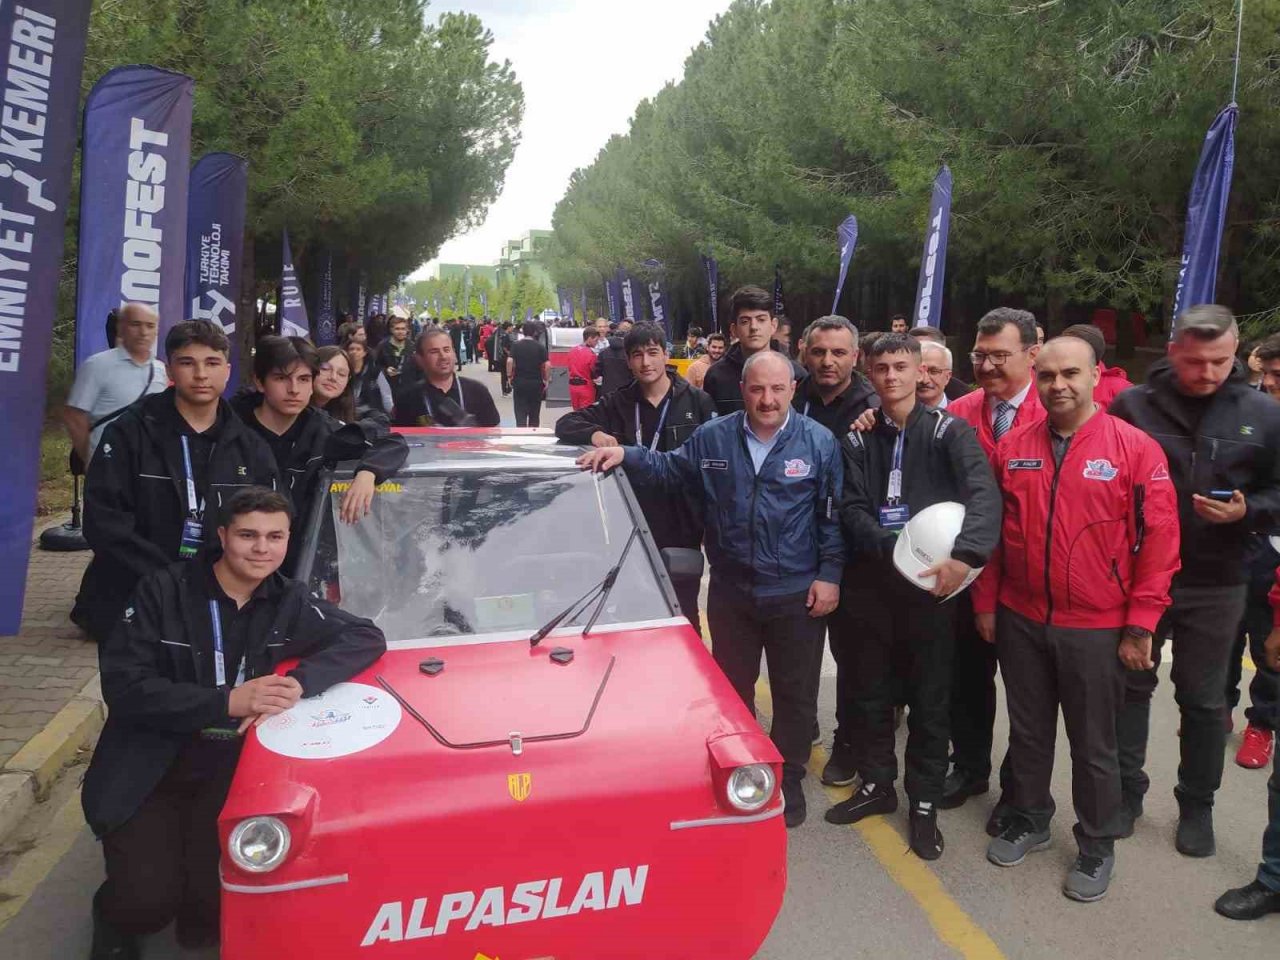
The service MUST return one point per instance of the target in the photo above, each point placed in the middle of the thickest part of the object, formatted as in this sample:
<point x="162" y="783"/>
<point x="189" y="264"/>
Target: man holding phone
<point x="1222" y="440"/>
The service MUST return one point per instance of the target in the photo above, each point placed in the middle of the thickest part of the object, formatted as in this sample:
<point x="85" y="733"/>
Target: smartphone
<point x="1222" y="495"/>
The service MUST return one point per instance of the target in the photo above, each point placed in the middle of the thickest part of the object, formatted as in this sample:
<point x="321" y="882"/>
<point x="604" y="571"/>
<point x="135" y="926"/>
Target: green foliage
<point x="1072" y="130"/>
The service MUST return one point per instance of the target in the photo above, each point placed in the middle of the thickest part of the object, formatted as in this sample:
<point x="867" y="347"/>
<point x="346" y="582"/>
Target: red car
<point x="546" y="765"/>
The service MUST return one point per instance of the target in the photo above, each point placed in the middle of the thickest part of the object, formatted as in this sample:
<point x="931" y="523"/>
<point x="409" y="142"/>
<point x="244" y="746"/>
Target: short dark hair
<point x="898" y="316"/>
<point x="205" y="333"/>
<point x="430" y="332"/>
<point x="693" y="332"/>
<point x="392" y="321"/>
<point x="831" y="322"/>
<point x="590" y="333"/>
<point x="280" y="353"/>
<point x="750" y="298"/>
<point x="254" y="500"/>
<point x="643" y="335"/>
<point x="530" y="329"/>
<point x="1090" y="335"/>
<point x="717" y="337"/>
<point x="925" y="332"/>
<point x="347" y="330"/>
<point x="1269" y="349"/>
<point x="996" y="320"/>
<point x="893" y="343"/>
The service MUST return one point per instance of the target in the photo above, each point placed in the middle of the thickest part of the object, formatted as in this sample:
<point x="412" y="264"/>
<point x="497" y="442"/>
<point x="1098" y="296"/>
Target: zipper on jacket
<point x="1048" y="542"/>
<point x="1115" y="573"/>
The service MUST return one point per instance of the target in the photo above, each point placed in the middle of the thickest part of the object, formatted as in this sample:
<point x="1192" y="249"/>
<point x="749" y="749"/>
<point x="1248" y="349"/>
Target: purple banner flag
<point x="215" y="244"/>
<point x="656" y="299"/>
<point x="1206" y="215"/>
<point x="626" y="295"/>
<point x="712" y="271"/>
<point x="566" y="303"/>
<point x="326" y="321"/>
<point x="528" y="314"/>
<point x="612" y="296"/>
<point x="43" y="46"/>
<point x="582" y="301"/>
<point x="933" y="262"/>
<point x="779" y="301"/>
<point x="293" y="309"/>
<point x="133" y="200"/>
<point x="848" y="234"/>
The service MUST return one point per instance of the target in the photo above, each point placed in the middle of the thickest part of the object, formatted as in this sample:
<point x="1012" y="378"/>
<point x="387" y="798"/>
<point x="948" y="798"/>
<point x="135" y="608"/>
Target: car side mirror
<point x="682" y="563"/>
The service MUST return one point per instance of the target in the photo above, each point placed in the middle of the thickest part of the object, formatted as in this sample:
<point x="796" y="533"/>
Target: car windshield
<point x="483" y="551"/>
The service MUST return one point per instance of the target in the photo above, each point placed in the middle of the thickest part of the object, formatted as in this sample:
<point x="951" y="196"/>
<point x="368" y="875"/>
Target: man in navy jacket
<point x="769" y="484"/>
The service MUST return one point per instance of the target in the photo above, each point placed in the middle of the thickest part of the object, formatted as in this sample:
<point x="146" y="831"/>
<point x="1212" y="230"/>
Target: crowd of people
<point x="1087" y="523"/>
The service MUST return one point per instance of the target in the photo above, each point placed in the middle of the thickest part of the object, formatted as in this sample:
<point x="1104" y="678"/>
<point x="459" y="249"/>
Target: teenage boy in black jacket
<point x="141" y="513"/>
<point x="658" y="410"/>
<point x="753" y="323"/>
<point x="907" y="634"/>
<point x="303" y="438"/>
<point x="189" y="668"/>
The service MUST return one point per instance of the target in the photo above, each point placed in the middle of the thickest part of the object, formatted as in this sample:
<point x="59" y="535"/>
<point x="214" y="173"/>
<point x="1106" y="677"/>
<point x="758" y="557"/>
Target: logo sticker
<point x="715" y="464"/>
<point x="1025" y="465"/>
<point x="241" y="472"/>
<point x="796" y="468"/>
<point x="1100" y="470"/>
<point x="328" y="718"/>
<point x="1246" y="431"/>
<point x="1161" y="472"/>
<point x="106" y="450"/>
<point x="519" y="785"/>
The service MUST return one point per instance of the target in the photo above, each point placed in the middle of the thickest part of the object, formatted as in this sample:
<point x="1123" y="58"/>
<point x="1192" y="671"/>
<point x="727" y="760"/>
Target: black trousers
<point x="1079" y="670"/>
<point x="687" y="594"/>
<point x="162" y="864"/>
<point x="743" y="627"/>
<point x="1202" y="622"/>
<point x="1254" y="627"/>
<point x="527" y="402"/>
<point x="903" y="648"/>
<point x="842" y="634"/>
<point x="973" y="695"/>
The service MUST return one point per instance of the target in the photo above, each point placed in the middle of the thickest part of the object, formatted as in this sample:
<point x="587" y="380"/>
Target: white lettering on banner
<point x="215" y="272"/>
<point x="930" y="268"/>
<point x="144" y="198"/>
<point x="490" y="907"/>
<point x="22" y="130"/>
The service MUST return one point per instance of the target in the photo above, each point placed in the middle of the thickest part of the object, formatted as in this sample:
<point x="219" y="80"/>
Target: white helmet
<point x="927" y="540"/>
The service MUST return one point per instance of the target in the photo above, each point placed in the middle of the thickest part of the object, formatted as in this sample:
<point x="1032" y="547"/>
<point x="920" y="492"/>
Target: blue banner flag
<point x="933" y="262"/>
<point x="293" y="309"/>
<point x="779" y="301"/>
<point x="626" y="296"/>
<point x="582" y="302"/>
<point x="566" y="303"/>
<point x="656" y="299"/>
<point x="1206" y="215"/>
<point x="712" y="271"/>
<point x="215" y="245"/>
<point x="611" y="296"/>
<point x="326" y="319"/>
<point x="43" y="45"/>
<point x="133" y="208"/>
<point x="360" y="299"/>
<point x="528" y="314"/>
<point x="848" y="234"/>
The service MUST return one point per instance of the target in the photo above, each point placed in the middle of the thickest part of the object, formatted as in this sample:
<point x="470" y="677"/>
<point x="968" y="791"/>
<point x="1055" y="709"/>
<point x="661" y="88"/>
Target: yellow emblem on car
<point x="519" y="785"/>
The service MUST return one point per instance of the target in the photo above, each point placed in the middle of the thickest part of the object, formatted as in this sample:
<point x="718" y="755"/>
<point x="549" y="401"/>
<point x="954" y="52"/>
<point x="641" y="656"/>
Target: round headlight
<point x="259" y="844"/>
<point x="751" y="787"/>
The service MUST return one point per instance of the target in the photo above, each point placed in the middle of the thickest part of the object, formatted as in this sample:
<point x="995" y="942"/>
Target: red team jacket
<point x="972" y="408"/>
<point x="1105" y="523"/>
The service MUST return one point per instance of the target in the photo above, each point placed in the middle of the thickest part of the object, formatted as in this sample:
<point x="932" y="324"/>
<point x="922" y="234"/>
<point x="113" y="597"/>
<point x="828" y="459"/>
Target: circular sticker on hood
<point x="345" y="719"/>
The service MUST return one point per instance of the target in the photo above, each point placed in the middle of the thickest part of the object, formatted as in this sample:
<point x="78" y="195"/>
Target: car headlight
<point x="259" y="844"/>
<point x="750" y="787"/>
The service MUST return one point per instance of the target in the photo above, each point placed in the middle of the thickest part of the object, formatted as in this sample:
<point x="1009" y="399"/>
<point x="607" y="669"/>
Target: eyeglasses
<point x="998" y="359"/>
<point x="335" y="371"/>
<point x="937" y="371"/>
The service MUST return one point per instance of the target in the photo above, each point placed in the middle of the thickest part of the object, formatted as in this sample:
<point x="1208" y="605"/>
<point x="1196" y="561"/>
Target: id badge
<point x="192" y="538"/>
<point x="895" y="518"/>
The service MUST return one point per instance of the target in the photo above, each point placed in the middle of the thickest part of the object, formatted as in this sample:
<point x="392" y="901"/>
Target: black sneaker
<point x="1195" y="829"/>
<point x="959" y="787"/>
<point x="842" y="769"/>
<point x="794" y="810"/>
<point x="871" y="799"/>
<point x="1248" y="902"/>
<point x="926" y="838"/>
<point x="109" y="943"/>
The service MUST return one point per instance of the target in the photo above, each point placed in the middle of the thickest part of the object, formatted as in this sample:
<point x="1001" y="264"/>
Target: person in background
<point x="440" y="397"/>
<point x="372" y="389"/>
<point x="767" y="594"/>
<point x="189" y="668"/>
<point x="529" y="370"/>
<point x="935" y="374"/>
<point x="697" y="372"/>
<point x="1222" y="440"/>
<point x="107" y="383"/>
<point x="1253" y="364"/>
<point x="349" y="330"/>
<point x="1090" y="546"/>
<point x="660" y="411"/>
<point x="334" y="388"/>
<point x="693" y="346"/>
<point x="753" y="322"/>
<point x="393" y="351"/>
<point x="954" y="389"/>
<point x="612" y="371"/>
<point x="503" y="338"/>
<point x="784" y="341"/>
<point x="865" y="341"/>
<point x="926" y="332"/>
<point x="1040" y="338"/>
<point x="898" y="323"/>
<point x="1112" y="381"/>
<point x="582" y="366"/>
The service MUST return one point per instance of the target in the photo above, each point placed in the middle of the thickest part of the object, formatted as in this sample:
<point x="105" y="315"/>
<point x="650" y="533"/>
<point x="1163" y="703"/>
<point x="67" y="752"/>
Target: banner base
<point x="63" y="538"/>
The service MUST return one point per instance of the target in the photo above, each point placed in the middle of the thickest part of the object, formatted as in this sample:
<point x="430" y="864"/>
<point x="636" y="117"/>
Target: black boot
<point x="108" y="942"/>
<point x="1195" y="828"/>
<point x="959" y="787"/>
<point x="794" y="807"/>
<point x="1248" y="903"/>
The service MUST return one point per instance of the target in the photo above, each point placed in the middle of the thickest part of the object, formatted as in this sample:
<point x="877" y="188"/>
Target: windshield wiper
<point x="598" y="593"/>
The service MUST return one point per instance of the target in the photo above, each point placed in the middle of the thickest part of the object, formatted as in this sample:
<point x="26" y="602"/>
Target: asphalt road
<point x="853" y="891"/>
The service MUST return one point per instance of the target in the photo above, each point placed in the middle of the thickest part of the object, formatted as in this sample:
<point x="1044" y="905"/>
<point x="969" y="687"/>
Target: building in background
<point x="524" y="256"/>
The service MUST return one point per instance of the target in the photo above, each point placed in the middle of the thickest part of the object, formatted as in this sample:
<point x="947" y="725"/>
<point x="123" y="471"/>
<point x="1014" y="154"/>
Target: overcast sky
<point x="584" y="65"/>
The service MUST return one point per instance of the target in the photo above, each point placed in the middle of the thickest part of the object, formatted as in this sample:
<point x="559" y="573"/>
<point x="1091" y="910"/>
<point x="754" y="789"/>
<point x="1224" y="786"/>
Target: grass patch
<point x="54" y="495"/>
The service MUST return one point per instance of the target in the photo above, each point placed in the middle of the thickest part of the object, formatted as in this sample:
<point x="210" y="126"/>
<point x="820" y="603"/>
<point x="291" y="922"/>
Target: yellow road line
<point x="31" y="867"/>
<point x="953" y="926"/>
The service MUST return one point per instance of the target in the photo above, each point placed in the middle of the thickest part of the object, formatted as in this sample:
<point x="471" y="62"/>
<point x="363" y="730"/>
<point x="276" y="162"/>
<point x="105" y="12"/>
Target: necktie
<point x="1003" y="419"/>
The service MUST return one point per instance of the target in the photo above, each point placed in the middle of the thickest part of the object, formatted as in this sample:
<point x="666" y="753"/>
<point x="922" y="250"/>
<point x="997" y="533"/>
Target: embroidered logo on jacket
<point x="1161" y="472"/>
<point x="796" y="468"/>
<point x="1099" y="470"/>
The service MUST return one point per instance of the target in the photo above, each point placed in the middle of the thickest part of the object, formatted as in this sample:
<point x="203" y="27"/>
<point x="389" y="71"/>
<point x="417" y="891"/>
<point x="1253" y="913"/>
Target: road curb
<point x="29" y="773"/>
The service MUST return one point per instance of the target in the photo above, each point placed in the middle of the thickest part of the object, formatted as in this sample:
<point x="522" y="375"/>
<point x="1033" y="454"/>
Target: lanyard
<point x="806" y="407"/>
<point x="219" y="657"/>
<point x="657" y="433"/>
<point x="895" y="471"/>
<point x="426" y="398"/>
<point x="194" y="506"/>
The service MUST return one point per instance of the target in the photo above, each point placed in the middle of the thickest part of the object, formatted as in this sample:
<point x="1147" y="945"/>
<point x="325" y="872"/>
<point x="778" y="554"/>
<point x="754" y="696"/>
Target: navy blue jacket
<point x="774" y="532"/>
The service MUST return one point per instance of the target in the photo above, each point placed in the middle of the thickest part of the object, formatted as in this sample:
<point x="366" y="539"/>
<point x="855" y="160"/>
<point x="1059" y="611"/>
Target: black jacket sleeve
<point x="1262" y="502"/>
<point x="979" y="493"/>
<point x="133" y="683"/>
<point x="368" y="441"/>
<point x="482" y="407"/>
<point x="333" y="645"/>
<point x="110" y="505"/>
<point x="859" y="511"/>
<point x="578" y="426"/>
<point x="704" y="406"/>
